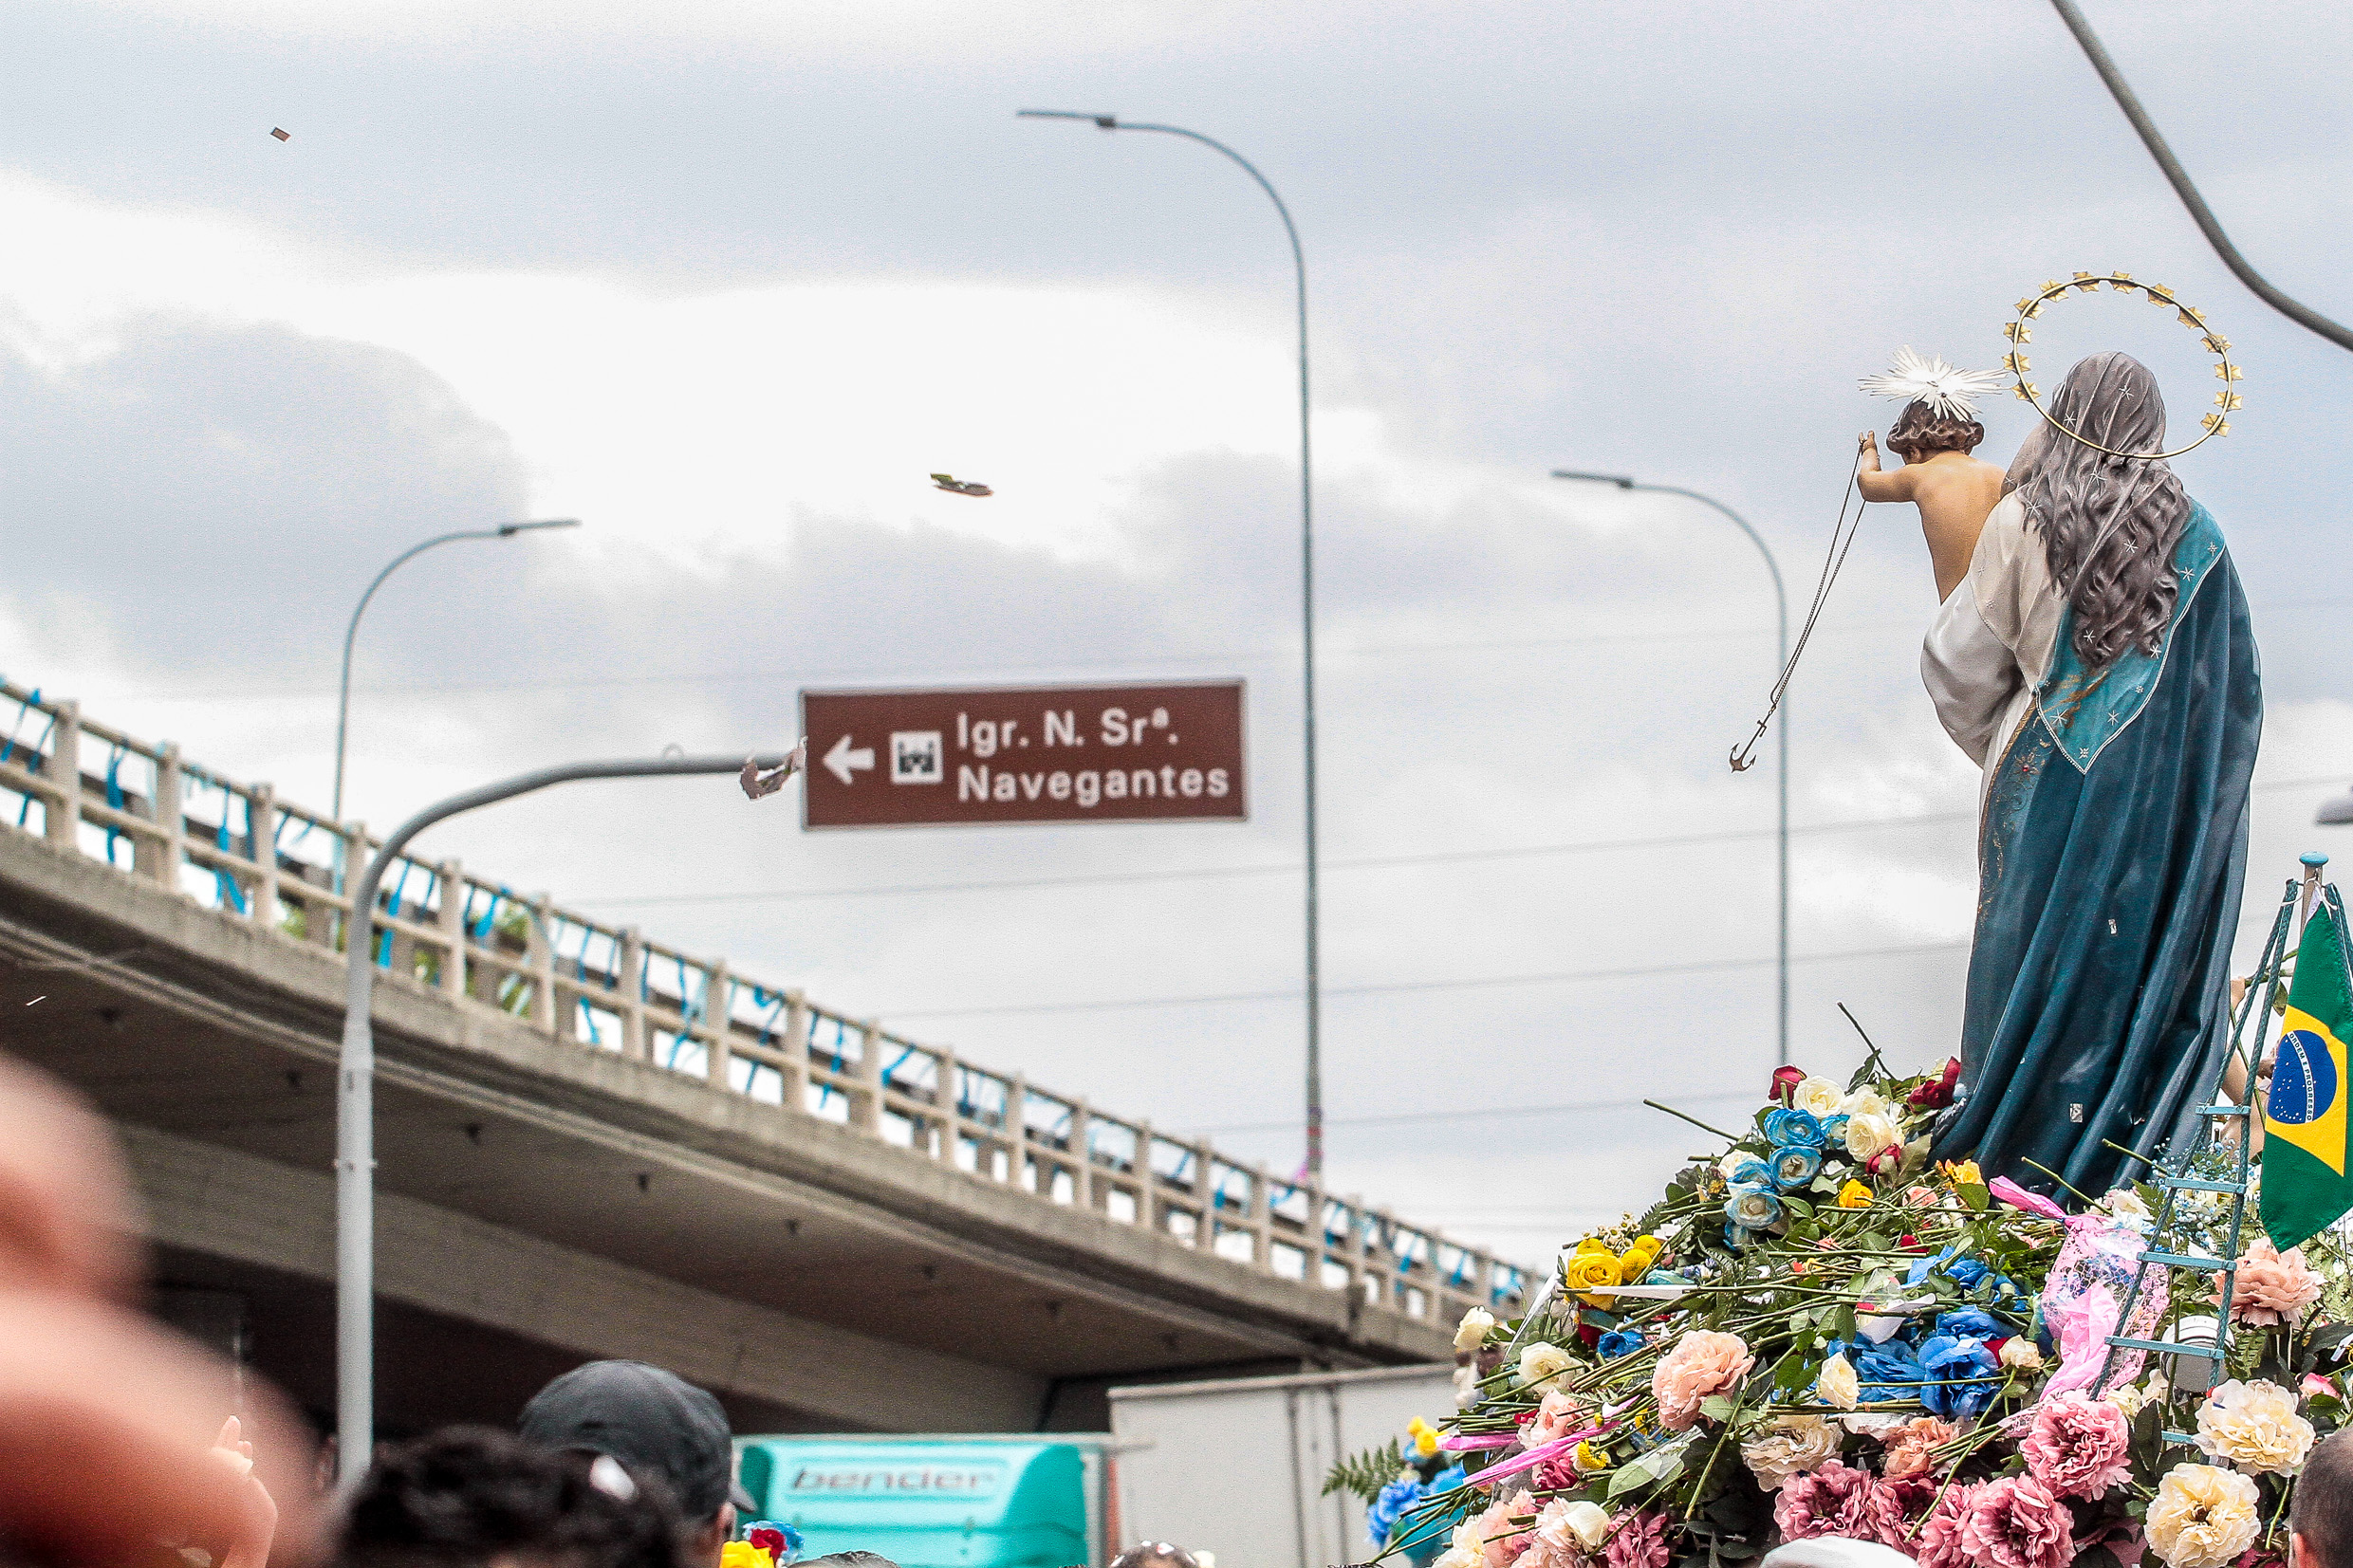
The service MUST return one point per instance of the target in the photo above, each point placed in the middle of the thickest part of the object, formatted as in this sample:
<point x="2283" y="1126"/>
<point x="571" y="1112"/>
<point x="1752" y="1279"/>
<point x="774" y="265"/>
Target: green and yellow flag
<point x="2305" y="1180"/>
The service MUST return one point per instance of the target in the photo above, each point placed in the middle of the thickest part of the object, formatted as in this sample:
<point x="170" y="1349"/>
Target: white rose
<point x="1862" y="1102"/>
<point x="2203" y="1516"/>
<point x="2125" y="1204"/>
<point x="2021" y="1354"/>
<point x="1818" y="1094"/>
<point x="1471" y="1332"/>
<point x="1541" y="1364"/>
<point x="1837" y="1385"/>
<point x="2255" y="1427"/>
<point x="1867" y="1134"/>
<point x="1587" y="1523"/>
<point x="1790" y="1447"/>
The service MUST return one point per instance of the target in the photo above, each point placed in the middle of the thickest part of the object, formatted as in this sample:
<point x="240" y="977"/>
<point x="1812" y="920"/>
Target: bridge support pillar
<point x="796" y="1051"/>
<point x="453" y="919"/>
<point x="631" y="984"/>
<point x="718" y="1015"/>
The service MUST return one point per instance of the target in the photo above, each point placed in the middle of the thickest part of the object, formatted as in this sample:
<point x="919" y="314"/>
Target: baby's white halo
<point x="1947" y="388"/>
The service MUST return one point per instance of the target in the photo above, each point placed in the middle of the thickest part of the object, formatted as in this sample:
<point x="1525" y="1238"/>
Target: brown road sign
<point x="1024" y="754"/>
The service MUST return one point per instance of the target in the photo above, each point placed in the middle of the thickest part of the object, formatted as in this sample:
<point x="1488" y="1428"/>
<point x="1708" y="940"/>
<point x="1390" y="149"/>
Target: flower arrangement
<point x="764" y="1545"/>
<point x="1822" y="1332"/>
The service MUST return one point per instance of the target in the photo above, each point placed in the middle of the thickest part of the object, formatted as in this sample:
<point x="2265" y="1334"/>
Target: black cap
<point x="655" y="1422"/>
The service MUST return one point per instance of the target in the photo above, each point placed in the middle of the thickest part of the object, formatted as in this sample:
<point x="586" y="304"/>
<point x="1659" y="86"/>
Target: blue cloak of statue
<point x="2112" y="849"/>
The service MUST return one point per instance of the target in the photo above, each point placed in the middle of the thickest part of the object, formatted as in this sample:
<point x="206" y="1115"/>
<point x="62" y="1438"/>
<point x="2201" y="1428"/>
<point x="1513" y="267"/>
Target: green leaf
<point x="1823" y="1184"/>
<point x="1716" y="1407"/>
<point x="2096" y="1557"/>
<point x="1803" y="1209"/>
<point x="1627" y="1477"/>
<point x="1974" y="1196"/>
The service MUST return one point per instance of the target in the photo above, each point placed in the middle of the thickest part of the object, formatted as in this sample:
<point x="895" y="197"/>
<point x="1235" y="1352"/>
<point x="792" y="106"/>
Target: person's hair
<point x="468" y="1495"/>
<point x="848" y="1559"/>
<point x="2109" y="524"/>
<point x="1154" y="1553"/>
<point x="2322" y="1510"/>
<point x="1920" y="432"/>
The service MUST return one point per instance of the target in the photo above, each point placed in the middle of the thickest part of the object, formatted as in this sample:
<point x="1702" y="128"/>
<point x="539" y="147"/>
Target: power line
<point x="1403" y="986"/>
<point x="1587" y="846"/>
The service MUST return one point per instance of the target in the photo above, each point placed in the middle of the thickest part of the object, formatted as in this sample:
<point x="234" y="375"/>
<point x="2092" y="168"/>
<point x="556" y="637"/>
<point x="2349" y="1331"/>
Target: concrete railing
<point x="237" y="848"/>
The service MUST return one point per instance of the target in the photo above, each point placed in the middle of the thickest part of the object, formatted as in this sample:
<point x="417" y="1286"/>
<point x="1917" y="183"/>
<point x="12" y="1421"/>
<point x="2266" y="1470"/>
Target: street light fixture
<point x="1781" y="600"/>
<point x="355" y="1083"/>
<point x="343" y="700"/>
<point x="1307" y="603"/>
<point x="2336" y="813"/>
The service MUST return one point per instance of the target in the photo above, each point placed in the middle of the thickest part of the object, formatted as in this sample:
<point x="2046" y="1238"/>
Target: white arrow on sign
<point x="842" y="761"/>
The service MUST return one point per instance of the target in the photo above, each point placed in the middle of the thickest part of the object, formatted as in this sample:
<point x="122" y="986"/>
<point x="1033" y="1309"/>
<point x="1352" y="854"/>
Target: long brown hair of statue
<point x="2109" y="524"/>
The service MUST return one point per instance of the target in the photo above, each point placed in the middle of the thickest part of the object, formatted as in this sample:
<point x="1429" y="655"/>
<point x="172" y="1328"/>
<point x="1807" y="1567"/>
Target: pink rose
<point x="2273" y="1288"/>
<point x="1638" y="1541"/>
<point x="2315" y="1386"/>
<point x="1940" y="1545"/>
<point x="1500" y="1541"/>
<point x="2016" y="1524"/>
<point x="1835" y="1500"/>
<point x="1702" y="1362"/>
<point x="1907" y="1447"/>
<point x="1555" y="1418"/>
<point x="2078" y="1447"/>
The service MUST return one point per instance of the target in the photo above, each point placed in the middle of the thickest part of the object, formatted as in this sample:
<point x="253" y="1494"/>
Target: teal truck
<point x="1027" y="1501"/>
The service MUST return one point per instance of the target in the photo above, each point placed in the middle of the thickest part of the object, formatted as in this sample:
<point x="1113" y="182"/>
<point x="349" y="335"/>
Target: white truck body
<point x="1236" y="1467"/>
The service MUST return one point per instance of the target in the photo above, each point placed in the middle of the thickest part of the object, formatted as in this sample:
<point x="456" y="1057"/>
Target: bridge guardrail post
<point x="1354" y="1205"/>
<point x="1262" y="1219"/>
<point x="1205" y="1188"/>
<point x="867" y="1106"/>
<point x="718" y="1019"/>
<point x="164" y="856"/>
<point x="1147" y="1186"/>
<point x="949" y="1122"/>
<point x="630" y="1002"/>
<point x="540" y="954"/>
<point x="261" y="822"/>
<point x="1083" y="1153"/>
<point x="62" y="813"/>
<point x="1016" y="1132"/>
<point x="451" y="917"/>
<point x="796" y="1050"/>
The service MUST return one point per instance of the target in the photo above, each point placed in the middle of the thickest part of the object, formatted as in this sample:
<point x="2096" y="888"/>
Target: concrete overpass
<point x="590" y="1144"/>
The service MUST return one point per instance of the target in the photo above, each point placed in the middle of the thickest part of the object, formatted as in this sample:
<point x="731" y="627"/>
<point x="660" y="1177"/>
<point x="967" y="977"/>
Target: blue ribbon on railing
<point x="114" y="796"/>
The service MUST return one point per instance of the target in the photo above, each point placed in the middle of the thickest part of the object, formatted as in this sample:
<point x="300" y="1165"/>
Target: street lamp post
<point x="355" y="1089"/>
<point x="342" y="699"/>
<point x="1307" y="605"/>
<point x="1781" y="750"/>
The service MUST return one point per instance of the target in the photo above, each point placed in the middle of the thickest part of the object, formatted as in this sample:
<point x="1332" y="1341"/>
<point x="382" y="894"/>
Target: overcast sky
<point x="726" y="281"/>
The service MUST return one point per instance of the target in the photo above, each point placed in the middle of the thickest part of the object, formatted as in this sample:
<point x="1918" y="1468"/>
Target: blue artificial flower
<point x="1752" y="1173"/>
<point x="1752" y="1207"/>
<point x="1399" y="1495"/>
<point x="1966" y="1272"/>
<point x="1791" y="1128"/>
<point x="1834" y="1131"/>
<point x="1887" y="1371"/>
<point x="1795" y="1167"/>
<point x="1736" y="1236"/>
<point x="1961" y="1376"/>
<point x="1970" y="1322"/>
<point x="1616" y="1342"/>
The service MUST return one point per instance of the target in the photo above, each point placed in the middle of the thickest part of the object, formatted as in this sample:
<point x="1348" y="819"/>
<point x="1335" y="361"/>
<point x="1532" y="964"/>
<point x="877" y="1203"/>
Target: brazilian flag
<point x="2306" y="1181"/>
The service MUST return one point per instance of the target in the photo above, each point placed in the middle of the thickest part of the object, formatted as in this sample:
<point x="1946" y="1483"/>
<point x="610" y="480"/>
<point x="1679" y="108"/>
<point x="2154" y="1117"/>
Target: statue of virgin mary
<point x="2097" y="663"/>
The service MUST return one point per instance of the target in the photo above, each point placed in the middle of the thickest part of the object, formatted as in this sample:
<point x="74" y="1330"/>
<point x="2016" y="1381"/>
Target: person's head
<point x="2109" y="524"/>
<point x="656" y="1423"/>
<point x="1920" y="432"/>
<point x="1154" y="1553"/>
<point x="2320" y="1522"/>
<point x="847" y="1560"/>
<point x="469" y="1497"/>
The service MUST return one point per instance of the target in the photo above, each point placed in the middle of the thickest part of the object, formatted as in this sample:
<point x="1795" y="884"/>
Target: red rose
<point x="1937" y="1092"/>
<point x="1786" y="1080"/>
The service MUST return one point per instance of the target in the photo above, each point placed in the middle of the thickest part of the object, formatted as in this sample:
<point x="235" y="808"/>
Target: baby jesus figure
<point x="1935" y="436"/>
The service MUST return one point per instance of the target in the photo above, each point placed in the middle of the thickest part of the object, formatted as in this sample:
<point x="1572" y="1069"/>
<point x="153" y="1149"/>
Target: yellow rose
<point x="1965" y="1173"/>
<point x="1588" y="1271"/>
<point x="1854" y="1195"/>
<point x="742" y="1554"/>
